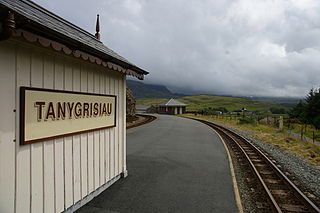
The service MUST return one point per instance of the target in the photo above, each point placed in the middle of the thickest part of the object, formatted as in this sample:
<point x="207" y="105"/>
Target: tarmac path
<point x="175" y="165"/>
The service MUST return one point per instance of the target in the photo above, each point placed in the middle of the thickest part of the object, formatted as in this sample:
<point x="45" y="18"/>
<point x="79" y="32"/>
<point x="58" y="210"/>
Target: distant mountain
<point x="141" y="90"/>
<point x="200" y="102"/>
<point x="154" y="94"/>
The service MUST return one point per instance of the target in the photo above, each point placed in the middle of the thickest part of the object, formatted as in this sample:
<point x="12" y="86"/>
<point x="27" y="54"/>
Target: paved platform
<point x="175" y="165"/>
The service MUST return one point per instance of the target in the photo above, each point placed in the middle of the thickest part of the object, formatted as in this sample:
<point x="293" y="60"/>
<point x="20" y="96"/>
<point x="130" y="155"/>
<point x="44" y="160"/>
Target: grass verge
<point x="271" y="135"/>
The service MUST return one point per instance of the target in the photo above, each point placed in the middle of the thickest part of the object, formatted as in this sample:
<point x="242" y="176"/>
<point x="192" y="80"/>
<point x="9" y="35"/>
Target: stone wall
<point x="131" y="106"/>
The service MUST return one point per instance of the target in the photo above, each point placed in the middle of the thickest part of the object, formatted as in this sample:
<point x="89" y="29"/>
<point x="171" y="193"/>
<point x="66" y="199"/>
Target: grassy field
<point x="198" y="102"/>
<point x="271" y="135"/>
<point x="308" y="130"/>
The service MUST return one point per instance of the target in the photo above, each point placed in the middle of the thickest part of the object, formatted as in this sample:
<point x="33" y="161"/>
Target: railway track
<point x="147" y="119"/>
<point x="275" y="191"/>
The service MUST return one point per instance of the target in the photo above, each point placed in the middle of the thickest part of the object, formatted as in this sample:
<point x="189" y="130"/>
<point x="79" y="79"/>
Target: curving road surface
<point x="175" y="165"/>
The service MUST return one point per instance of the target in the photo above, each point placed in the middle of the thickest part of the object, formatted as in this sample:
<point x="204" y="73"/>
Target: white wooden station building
<point x="63" y="123"/>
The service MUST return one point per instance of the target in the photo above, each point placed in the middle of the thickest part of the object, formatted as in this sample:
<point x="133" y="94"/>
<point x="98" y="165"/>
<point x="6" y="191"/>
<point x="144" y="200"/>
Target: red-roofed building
<point x="172" y="107"/>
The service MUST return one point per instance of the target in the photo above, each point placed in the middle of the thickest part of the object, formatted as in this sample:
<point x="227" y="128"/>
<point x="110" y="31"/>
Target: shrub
<point x="246" y="120"/>
<point x="275" y="110"/>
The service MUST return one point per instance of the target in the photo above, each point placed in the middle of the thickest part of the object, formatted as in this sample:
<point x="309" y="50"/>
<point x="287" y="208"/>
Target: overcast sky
<point x="237" y="47"/>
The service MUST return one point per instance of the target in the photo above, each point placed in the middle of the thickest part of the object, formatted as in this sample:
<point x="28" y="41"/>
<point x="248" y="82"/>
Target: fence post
<point x="313" y="136"/>
<point x="281" y="123"/>
<point x="301" y="132"/>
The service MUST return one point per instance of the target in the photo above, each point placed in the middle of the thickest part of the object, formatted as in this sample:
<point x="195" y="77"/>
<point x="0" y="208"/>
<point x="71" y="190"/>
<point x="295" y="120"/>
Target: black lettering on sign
<point x="109" y="109"/>
<point x="104" y="109"/>
<point x="70" y="107"/>
<point x="61" y="110"/>
<point x="50" y="112"/>
<point x="85" y="109"/>
<point x="39" y="105"/>
<point x="95" y="109"/>
<point x="78" y="110"/>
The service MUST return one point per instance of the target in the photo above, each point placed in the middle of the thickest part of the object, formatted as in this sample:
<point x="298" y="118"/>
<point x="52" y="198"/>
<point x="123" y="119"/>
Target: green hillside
<point x="198" y="102"/>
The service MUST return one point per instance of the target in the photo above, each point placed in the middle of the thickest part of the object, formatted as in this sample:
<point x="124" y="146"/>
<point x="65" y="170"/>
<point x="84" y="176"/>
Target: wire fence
<point x="291" y="126"/>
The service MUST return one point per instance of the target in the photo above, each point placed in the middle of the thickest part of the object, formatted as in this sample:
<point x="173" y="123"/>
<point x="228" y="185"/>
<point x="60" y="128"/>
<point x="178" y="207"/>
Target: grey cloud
<point x="240" y="47"/>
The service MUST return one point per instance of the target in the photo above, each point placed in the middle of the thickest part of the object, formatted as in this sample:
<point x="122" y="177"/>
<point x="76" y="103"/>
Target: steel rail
<point x="287" y="180"/>
<point x="270" y="196"/>
<point x="148" y="119"/>
<point x="290" y="185"/>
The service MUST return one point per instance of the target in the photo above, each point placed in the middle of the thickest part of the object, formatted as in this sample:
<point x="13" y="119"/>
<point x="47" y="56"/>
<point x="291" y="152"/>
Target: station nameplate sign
<point x="48" y="114"/>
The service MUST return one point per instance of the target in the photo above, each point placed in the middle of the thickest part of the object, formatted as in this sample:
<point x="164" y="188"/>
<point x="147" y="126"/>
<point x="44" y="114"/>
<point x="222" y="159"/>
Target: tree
<point x="298" y="112"/>
<point x="308" y="112"/>
<point x="276" y="110"/>
<point x="312" y="108"/>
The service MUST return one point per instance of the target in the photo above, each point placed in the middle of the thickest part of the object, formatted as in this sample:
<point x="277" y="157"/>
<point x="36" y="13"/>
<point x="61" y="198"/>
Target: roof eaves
<point x="42" y="21"/>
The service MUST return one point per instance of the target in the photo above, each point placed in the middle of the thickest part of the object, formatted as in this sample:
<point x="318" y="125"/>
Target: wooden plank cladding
<point x="53" y="175"/>
<point x="48" y="114"/>
<point x="64" y="89"/>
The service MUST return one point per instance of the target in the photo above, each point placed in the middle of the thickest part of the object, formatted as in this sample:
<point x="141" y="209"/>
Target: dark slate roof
<point x="46" y="19"/>
<point x="172" y="102"/>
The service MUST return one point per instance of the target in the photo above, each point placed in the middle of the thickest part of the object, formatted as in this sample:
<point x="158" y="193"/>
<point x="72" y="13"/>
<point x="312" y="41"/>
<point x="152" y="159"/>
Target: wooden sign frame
<point x="23" y="102"/>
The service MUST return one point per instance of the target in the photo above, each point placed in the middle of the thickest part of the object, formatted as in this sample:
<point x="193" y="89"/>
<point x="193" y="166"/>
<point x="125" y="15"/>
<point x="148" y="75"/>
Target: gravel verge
<point x="250" y="195"/>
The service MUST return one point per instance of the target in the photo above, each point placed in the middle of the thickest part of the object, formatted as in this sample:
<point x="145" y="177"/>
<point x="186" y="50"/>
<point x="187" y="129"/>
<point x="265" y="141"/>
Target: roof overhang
<point x="14" y="22"/>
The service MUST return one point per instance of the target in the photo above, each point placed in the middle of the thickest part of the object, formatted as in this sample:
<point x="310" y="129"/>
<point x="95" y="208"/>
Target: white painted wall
<point x="53" y="175"/>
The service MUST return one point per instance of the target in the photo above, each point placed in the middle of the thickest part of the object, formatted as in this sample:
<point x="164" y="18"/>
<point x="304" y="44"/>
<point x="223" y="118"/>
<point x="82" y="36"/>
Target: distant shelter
<point x="172" y="107"/>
